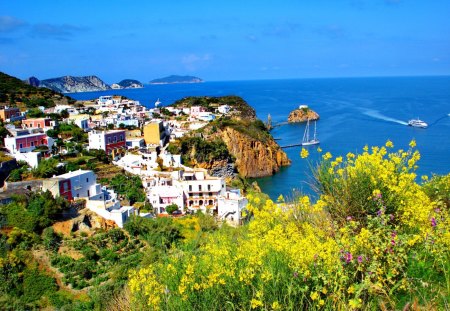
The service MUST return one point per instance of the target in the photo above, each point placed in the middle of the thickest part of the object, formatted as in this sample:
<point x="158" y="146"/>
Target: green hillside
<point x="15" y="92"/>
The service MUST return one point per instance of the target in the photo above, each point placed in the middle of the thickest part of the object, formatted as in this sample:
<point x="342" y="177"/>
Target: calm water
<point x="353" y="112"/>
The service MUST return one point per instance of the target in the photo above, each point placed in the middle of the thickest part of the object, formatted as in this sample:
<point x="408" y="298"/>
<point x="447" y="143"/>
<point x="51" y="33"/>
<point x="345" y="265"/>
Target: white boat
<point x="417" y="123"/>
<point x="157" y="103"/>
<point x="306" y="140"/>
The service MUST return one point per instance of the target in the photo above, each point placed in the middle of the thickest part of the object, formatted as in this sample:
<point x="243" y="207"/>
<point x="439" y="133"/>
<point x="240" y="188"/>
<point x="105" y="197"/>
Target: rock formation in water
<point x="302" y="114"/>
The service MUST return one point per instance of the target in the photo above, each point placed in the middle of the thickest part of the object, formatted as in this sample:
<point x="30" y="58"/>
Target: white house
<point x="230" y="206"/>
<point x="224" y="109"/>
<point x="201" y="190"/>
<point x="162" y="196"/>
<point x="76" y="184"/>
<point x="82" y="123"/>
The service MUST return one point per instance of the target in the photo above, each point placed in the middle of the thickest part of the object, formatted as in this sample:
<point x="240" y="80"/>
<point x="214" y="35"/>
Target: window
<point x="20" y="146"/>
<point x="199" y="187"/>
<point x="32" y="144"/>
<point x="87" y="179"/>
<point x="190" y="186"/>
<point x="209" y="187"/>
<point x="88" y="193"/>
<point x="115" y="139"/>
<point x="109" y="140"/>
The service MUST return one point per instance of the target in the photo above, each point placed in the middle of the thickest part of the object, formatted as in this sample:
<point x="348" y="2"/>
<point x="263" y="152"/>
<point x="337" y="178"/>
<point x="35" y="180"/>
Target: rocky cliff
<point x="237" y="140"/>
<point x="302" y="115"/>
<point x="70" y="84"/>
<point x="254" y="158"/>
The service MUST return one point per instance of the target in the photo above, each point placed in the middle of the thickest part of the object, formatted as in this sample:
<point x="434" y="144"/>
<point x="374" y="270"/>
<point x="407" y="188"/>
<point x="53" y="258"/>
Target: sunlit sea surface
<point x="353" y="112"/>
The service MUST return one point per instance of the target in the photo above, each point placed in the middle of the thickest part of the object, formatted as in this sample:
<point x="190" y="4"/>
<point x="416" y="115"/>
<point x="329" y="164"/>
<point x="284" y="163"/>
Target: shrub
<point x="333" y="254"/>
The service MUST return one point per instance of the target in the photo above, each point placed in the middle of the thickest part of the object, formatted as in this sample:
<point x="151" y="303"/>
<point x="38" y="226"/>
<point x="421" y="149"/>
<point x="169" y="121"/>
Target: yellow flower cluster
<point x="350" y="246"/>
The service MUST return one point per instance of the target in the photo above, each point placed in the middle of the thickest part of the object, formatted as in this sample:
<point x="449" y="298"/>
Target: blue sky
<point x="226" y="40"/>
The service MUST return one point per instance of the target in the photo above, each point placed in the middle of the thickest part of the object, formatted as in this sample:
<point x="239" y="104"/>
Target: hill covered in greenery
<point x="176" y="79"/>
<point x="15" y="92"/>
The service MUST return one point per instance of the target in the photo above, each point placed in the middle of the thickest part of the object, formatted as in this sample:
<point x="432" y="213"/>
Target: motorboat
<point x="417" y="123"/>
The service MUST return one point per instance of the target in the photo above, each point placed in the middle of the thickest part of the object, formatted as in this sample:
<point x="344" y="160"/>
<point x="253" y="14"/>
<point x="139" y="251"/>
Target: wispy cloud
<point x="193" y="61"/>
<point x="58" y="32"/>
<point x="10" y="23"/>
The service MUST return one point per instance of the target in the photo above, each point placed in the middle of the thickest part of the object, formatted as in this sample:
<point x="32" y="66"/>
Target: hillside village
<point x="131" y="137"/>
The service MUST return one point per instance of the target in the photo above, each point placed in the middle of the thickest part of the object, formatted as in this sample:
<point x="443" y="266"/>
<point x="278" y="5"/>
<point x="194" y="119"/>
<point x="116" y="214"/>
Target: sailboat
<point x="306" y="140"/>
<point x="157" y="103"/>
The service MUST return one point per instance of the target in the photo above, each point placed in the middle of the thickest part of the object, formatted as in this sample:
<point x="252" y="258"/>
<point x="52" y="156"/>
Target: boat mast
<point x="315" y="130"/>
<point x="306" y="134"/>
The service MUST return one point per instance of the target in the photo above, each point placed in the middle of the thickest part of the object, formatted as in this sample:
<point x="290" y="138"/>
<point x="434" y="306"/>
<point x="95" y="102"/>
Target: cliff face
<point x="69" y="84"/>
<point x="303" y="115"/>
<point x="254" y="158"/>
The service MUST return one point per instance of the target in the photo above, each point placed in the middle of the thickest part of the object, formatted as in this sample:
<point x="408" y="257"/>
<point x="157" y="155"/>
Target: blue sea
<point x="353" y="112"/>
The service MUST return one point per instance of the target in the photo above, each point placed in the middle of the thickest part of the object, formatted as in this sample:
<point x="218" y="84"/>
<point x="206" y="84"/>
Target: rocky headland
<point x="303" y="114"/>
<point x="238" y="138"/>
<point x="71" y="84"/>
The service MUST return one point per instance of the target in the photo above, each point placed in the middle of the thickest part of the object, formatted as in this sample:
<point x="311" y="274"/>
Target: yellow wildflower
<point x="327" y="156"/>
<point x="319" y="150"/>
<point x="412" y="144"/>
<point x="389" y="144"/>
<point x="276" y="305"/>
<point x="351" y="289"/>
<point x="304" y="153"/>
<point x="255" y="303"/>
<point x="314" y="296"/>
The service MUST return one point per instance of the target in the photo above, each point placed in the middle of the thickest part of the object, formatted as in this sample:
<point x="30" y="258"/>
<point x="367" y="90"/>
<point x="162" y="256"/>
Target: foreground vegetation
<point x="375" y="239"/>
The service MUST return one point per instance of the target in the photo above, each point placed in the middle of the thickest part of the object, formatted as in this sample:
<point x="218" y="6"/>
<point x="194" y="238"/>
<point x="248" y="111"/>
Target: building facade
<point x="8" y="113"/>
<point x="27" y="143"/>
<point x="155" y="133"/>
<point x="73" y="185"/>
<point x="109" y="141"/>
<point x="42" y="123"/>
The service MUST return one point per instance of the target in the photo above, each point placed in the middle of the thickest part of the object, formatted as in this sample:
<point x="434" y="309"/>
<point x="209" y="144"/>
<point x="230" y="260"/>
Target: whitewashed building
<point x="230" y="206"/>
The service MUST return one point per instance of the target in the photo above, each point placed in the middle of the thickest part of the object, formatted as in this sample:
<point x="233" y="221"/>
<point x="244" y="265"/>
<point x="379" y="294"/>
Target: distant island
<point x="127" y="84"/>
<point x="70" y="84"/>
<point x="176" y="79"/>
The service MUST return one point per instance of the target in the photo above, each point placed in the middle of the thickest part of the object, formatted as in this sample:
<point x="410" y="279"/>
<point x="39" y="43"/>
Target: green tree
<point x="171" y="208"/>
<point x="64" y="114"/>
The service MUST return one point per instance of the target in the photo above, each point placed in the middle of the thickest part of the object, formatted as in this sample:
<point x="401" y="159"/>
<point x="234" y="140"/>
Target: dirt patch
<point x="68" y="251"/>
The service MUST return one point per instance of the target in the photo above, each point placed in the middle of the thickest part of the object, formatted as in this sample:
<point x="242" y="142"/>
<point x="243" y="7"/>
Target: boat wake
<point x="377" y="115"/>
<point x="441" y="118"/>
